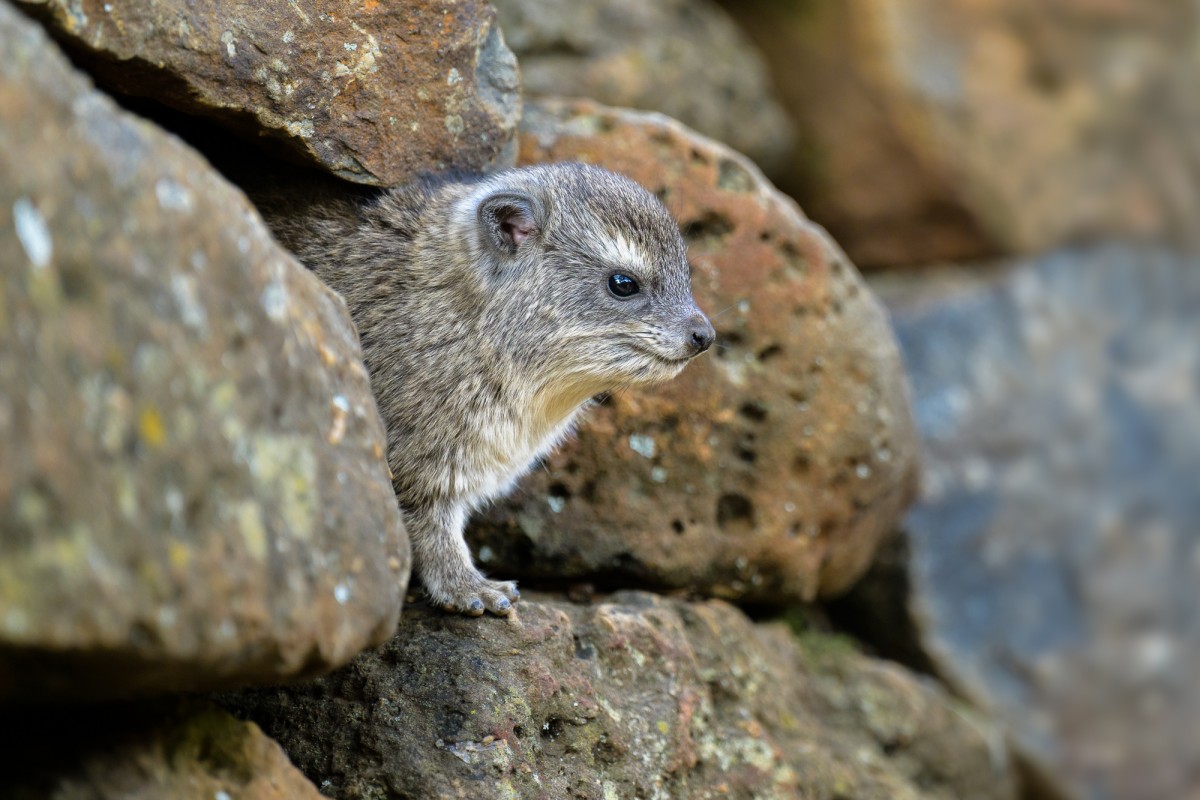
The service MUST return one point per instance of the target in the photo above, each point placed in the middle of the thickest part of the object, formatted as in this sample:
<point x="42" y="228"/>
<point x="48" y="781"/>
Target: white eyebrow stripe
<point x="624" y="252"/>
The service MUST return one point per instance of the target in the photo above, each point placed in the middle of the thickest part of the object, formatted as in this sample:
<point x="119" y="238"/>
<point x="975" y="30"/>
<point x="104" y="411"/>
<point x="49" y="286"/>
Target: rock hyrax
<point x="490" y="311"/>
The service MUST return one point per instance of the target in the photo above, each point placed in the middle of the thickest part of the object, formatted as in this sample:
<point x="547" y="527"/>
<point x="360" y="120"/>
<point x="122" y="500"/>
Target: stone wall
<point x="202" y="562"/>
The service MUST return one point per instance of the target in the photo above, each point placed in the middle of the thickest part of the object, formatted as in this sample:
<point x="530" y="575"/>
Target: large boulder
<point x="950" y="129"/>
<point x="193" y="489"/>
<point x="685" y="58"/>
<point x="635" y="696"/>
<point x="1055" y="119"/>
<point x="180" y="751"/>
<point x="1053" y="566"/>
<point x="855" y="172"/>
<point x="372" y="92"/>
<point x="769" y="469"/>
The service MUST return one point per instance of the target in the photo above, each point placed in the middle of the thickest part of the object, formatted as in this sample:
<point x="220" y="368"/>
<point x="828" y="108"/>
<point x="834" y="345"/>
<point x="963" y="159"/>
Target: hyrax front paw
<point x="474" y="595"/>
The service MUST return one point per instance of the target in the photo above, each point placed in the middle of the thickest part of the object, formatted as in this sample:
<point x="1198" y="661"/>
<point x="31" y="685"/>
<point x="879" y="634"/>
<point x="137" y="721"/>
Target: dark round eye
<point x="622" y="285"/>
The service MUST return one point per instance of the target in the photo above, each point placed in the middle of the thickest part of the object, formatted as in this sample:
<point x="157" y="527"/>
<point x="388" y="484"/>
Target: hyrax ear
<point x="510" y="218"/>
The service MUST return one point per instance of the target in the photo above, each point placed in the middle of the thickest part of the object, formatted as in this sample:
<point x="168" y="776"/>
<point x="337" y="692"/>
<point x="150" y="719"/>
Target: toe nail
<point x="503" y="605"/>
<point x="477" y="604"/>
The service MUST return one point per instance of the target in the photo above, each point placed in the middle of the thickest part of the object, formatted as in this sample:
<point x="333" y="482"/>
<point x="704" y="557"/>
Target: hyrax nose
<point x="700" y="334"/>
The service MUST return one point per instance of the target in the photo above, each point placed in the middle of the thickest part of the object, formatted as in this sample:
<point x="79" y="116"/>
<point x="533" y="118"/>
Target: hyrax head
<point x="594" y="268"/>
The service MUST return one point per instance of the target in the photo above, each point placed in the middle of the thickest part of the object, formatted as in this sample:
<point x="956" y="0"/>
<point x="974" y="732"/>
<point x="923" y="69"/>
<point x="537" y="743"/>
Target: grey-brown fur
<point x="487" y="322"/>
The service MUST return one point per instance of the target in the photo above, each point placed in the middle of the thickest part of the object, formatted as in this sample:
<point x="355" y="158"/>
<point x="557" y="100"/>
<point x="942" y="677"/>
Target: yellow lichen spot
<point x="151" y="428"/>
<point x="286" y="470"/>
<point x="179" y="555"/>
<point x="663" y="727"/>
<point x="45" y="291"/>
<point x="254" y="533"/>
<point x="223" y="396"/>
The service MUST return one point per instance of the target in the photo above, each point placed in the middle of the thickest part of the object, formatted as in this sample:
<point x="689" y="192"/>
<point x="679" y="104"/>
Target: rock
<point x="1054" y="558"/>
<point x="181" y="751"/>
<point x="949" y="130"/>
<point x="372" y="92"/>
<point x="1057" y="120"/>
<point x="635" y="696"/>
<point x="192" y="484"/>
<point x="685" y="58"/>
<point x="855" y="172"/>
<point x="769" y="469"/>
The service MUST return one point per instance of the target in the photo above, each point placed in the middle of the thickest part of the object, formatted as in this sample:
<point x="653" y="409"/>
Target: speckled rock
<point x="371" y="91"/>
<point x="635" y="696"/>
<point x="186" y="751"/>
<point x="855" y="171"/>
<point x="1054" y="557"/>
<point x="1055" y="120"/>
<point x="192" y="484"/>
<point x="770" y="468"/>
<point x="685" y="58"/>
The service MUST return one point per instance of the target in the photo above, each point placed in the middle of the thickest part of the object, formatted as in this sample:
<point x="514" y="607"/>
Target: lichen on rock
<point x="177" y="511"/>
<point x="632" y="696"/>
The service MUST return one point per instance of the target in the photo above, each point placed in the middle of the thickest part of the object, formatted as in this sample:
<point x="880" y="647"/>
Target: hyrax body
<point x="490" y="311"/>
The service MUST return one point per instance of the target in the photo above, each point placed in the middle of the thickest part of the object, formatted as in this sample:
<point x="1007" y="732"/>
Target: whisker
<point x="723" y="310"/>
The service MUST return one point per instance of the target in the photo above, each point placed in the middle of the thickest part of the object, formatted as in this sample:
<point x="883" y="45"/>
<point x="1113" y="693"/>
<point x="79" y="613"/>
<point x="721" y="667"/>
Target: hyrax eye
<point x="622" y="285"/>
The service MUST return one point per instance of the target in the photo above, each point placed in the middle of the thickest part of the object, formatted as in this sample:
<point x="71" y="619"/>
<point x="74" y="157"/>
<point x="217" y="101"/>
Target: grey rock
<point x="1054" y="558"/>
<point x="192" y="484"/>
<point x="685" y="58"/>
<point x="634" y="696"/>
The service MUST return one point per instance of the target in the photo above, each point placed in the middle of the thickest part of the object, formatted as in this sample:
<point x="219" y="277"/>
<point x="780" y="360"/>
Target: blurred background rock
<point x="949" y="129"/>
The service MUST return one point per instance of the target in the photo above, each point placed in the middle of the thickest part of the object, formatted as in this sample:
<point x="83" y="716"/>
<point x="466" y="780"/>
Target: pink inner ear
<point x="519" y="228"/>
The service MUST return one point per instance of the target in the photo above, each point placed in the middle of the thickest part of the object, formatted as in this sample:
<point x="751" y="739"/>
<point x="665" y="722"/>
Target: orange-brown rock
<point x="371" y="92"/>
<point x="1023" y="125"/>
<point x="855" y="172"/>
<point x="1057" y="119"/>
<point x="768" y="470"/>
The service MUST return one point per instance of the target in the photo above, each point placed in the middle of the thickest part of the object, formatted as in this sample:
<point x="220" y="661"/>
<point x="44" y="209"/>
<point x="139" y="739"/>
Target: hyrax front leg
<point x="443" y="562"/>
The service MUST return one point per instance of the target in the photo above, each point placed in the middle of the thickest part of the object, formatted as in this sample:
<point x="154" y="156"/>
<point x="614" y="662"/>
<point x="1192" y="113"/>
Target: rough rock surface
<point x="372" y="92"/>
<point x="1054" y="563"/>
<point x="685" y="58"/>
<point x="1055" y="118"/>
<point x="855" y="172"/>
<point x="186" y="751"/>
<point x="769" y="469"/>
<point x="635" y="696"/>
<point x="192" y="483"/>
